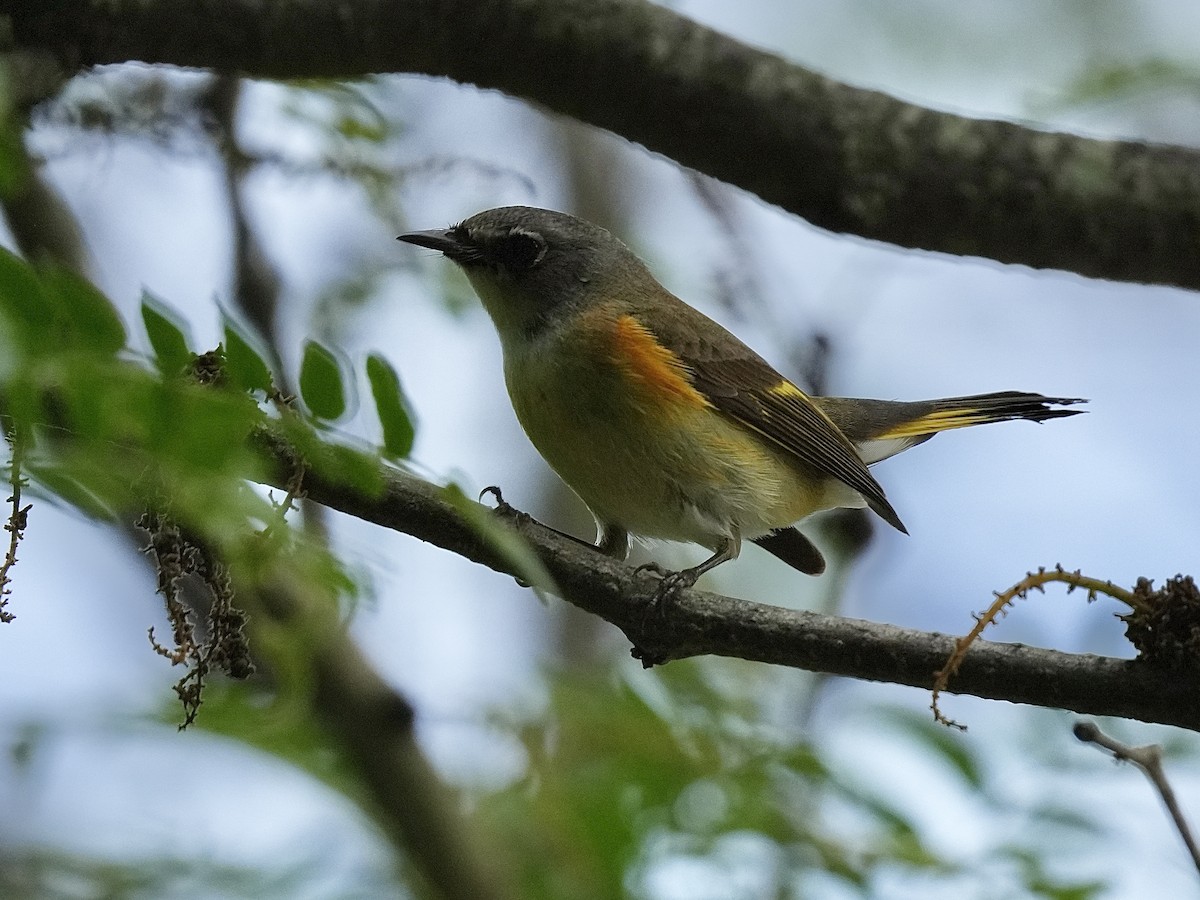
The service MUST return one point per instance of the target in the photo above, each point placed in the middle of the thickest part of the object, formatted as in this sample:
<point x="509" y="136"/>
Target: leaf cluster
<point x="168" y="439"/>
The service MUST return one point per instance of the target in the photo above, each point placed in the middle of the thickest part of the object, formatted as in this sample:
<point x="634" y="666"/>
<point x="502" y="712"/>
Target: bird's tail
<point x="883" y="428"/>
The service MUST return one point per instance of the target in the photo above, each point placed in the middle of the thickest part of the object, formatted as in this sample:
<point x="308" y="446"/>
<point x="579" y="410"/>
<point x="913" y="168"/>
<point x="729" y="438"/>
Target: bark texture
<point x="846" y="159"/>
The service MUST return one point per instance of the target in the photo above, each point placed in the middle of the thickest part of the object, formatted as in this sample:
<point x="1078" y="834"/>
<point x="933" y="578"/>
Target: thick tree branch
<point x="375" y="724"/>
<point x="703" y="623"/>
<point x="845" y="159"/>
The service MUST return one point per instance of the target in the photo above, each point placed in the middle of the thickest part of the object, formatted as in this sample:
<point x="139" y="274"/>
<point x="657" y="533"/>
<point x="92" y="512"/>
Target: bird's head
<point x="531" y="266"/>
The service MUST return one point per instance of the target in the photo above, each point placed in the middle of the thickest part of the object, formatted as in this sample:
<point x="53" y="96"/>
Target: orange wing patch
<point x="660" y="373"/>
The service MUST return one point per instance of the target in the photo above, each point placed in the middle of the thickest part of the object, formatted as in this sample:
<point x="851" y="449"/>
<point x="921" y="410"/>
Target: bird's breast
<point x="616" y="416"/>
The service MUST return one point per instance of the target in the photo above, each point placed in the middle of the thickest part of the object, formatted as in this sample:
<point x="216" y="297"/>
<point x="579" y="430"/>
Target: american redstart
<point x="664" y="423"/>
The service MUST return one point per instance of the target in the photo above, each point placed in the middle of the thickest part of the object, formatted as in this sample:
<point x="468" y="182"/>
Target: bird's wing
<point x="741" y="384"/>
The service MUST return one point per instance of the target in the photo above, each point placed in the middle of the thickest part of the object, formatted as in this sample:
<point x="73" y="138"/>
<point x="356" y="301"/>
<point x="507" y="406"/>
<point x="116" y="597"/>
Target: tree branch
<point x="1150" y="760"/>
<point x="847" y="160"/>
<point x="375" y="724"/>
<point x="699" y="622"/>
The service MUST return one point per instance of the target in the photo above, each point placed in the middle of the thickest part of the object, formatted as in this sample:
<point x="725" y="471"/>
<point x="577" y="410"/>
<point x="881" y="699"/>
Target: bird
<point x="665" y="424"/>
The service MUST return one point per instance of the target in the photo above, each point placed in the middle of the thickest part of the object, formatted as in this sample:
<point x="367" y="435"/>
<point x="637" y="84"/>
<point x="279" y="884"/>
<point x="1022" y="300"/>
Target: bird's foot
<point x="670" y="582"/>
<point x="659" y="604"/>
<point x="508" y="512"/>
<point x="503" y="508"/>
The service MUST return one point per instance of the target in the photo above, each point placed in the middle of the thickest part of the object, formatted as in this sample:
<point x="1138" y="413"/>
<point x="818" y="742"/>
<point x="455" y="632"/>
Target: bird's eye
<point x="519" y="250"/>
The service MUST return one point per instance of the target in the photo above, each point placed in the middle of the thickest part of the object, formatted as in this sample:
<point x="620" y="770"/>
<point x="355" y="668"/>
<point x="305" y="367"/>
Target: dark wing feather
<point x="780" y="411"/>
<point x="741" y="384"/>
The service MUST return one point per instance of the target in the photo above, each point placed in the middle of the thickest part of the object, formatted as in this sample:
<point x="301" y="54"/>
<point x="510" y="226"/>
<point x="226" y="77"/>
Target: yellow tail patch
<point x="942" y="420"/>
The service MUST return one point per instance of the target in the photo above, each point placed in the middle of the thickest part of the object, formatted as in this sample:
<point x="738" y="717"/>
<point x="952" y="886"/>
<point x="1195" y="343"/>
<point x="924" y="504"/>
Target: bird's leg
<point x="614" y="541"/>
<point x="727" y="548"/>
<point x="504" y="509"/>
<point x="673" y="582"/>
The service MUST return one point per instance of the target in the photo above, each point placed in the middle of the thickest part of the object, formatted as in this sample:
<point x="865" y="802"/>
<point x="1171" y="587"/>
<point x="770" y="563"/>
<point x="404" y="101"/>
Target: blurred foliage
<point x="61" y="875"/>
<point x="351" y="133"/>
<point x="1109" y="83"/>
<point x="624" y="783"/>
<point x="256" y="716"/>
<point x="112" y="434"/>
<point x="13" y="164"/>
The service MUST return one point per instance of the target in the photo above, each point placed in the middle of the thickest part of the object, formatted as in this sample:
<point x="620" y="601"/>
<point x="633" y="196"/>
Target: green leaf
<point x="321" y="382"/>
<point x="89" y="317"/>
<point x="391" y="406"/>
<point x="24" y="303"/>
<point x="14" y="163"/>
<point x="202" y="429"/>
<point x="167" y="335"/>
<point x="359" y="128"/>
<point x="1082" y="823"/>
<point x="502" y="539"/>
<point x="58" y="487"/>
<point x="246" y="365"/>
<point x="1105" y="83"/>
<point x="56" y="309"/>
<point x="346" y="465"/>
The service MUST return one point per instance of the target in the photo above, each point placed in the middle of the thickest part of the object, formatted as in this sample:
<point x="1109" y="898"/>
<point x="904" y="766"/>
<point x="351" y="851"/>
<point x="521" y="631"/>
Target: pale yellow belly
<point x="656" y="468"/>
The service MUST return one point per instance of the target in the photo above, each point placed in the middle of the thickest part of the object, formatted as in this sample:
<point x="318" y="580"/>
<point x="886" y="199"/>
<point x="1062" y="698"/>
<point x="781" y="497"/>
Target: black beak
<point x="439" y="239"/>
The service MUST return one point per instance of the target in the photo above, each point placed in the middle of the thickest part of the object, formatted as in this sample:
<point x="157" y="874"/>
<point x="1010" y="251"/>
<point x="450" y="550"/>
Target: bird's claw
<point x="502" y="505"/>
<point x="670" y="582"/>
<point x="506" y="510"/>
<point x="654" y="568"/>
<point x="664" y="596"/>
<point x="503" y="508"/>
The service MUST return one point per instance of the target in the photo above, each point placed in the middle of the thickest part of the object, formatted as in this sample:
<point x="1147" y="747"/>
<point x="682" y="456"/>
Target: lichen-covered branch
<point x="846" y="159"/>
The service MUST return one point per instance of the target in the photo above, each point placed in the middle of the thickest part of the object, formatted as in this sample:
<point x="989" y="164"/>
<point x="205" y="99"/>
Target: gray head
<point x="528" y="264"/>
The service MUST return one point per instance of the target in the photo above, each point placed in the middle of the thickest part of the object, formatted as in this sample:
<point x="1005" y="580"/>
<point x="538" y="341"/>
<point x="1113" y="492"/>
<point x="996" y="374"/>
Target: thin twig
<point x="18" y="517"/>
<point x="1033" y="581"/>
<point x="1149" y="760"/>
<point x="294" y="491"/>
